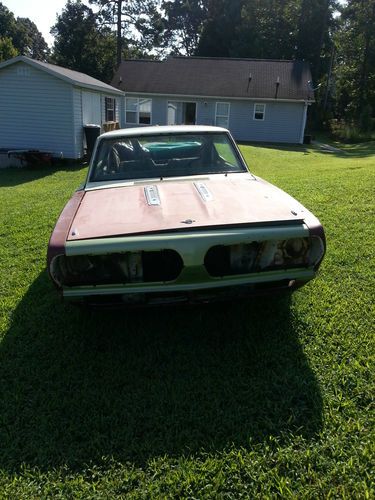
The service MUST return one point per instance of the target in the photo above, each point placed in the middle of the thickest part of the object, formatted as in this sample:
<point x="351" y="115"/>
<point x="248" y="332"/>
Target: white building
<point x="44" y="107"/>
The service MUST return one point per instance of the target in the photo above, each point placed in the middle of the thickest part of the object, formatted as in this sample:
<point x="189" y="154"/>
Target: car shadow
<point x="77" y="385"/>
<point x="14" y="176"/>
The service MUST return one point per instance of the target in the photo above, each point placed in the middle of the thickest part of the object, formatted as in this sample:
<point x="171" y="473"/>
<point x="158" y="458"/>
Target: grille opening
<point x="223" y="260"/>
<point x="245" y="258"/>
<point x="217" y="261"/>
<point x="165" y="265"/>
<point x="118" y="268"/>
<point x="284" y="254"/>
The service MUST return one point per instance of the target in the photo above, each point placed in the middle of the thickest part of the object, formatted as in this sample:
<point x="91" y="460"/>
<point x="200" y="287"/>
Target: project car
<point x="172" y="214"/>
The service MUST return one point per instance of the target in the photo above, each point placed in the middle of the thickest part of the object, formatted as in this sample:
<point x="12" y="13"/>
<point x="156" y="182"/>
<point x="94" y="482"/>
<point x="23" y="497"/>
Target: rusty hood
<point x="168" y="205"/>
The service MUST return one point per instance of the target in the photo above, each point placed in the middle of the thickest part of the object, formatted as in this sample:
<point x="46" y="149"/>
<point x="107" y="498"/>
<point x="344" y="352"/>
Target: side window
<point x="259" y="111"/>
<point x="225" y="150"/>
<point x="222" y="114"/>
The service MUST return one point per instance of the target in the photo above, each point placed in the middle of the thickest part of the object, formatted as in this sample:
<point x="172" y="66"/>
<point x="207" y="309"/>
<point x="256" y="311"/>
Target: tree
<point x="138" y="23"/>
<point x="7" y="22"/>
<point x="314" y="34"/>
<point x="220" y="29"/>
<point x="274" y="29"/>
<point x="80" y="44"/>
<point x="267" y="29"/>
<point x="183" y="22"/>
<point x="355" y="67"/>
<point x="7" y="50"/>
<point x="23" y="34"/>
<point x="29" y="40"/>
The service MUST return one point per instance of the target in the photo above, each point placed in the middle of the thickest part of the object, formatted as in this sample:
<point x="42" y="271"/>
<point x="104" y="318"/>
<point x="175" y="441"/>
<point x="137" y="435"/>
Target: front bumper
<point x="204" y="296"/>
<point x="220" y="288"/>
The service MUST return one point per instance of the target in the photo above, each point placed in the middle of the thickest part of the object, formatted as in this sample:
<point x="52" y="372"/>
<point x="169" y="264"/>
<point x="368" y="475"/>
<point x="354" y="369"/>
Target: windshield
<point x="164" y="155"/>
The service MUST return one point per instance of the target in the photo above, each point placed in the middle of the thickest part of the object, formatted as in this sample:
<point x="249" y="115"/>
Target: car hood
<point x="189" y="203"/>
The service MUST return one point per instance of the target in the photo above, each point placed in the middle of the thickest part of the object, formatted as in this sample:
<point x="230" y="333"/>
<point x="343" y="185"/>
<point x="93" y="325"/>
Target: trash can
<point x="92" y="132"/>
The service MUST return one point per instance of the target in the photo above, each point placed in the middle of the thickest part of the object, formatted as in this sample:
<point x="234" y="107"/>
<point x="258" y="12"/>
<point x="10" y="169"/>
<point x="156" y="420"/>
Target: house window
<point x="222" y="114"/>
<point x="110" y="109"/>
<point x="259" y="111"/>
<point x="138" y="110"/>
<point x="131" y="110"/>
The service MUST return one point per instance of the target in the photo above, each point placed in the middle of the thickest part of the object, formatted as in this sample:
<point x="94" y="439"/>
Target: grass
<point x="262" y="399"/>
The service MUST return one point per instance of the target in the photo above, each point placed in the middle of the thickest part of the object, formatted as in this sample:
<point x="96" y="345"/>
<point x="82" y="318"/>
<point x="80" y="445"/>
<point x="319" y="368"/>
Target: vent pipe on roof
<point x="248" y="83"/>
<point x="277" y="86"/>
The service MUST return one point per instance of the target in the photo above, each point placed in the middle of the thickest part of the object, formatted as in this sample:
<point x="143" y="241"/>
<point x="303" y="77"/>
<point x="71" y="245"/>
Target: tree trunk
<point x="119" y="32"/>
<point x="333" y="52"/>
<point x="325" y="16"/>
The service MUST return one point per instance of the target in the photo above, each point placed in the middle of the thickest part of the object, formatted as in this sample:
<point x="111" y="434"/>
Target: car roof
<point x="163" y="129"/>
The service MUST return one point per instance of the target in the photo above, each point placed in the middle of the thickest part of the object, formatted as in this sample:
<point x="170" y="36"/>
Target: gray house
<point x="44" y="107"/>
<point x="257" y="100"/>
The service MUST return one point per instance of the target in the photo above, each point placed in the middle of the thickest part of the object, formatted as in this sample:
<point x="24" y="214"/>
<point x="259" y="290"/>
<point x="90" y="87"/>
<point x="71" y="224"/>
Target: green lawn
<point x="267" y="398"/>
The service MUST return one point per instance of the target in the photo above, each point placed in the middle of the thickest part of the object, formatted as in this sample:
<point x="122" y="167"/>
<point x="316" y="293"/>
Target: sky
<point x="42" y="12"/>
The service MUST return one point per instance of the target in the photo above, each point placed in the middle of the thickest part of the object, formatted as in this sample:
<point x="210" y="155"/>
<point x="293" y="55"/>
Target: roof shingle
<point x="216" y="77"/>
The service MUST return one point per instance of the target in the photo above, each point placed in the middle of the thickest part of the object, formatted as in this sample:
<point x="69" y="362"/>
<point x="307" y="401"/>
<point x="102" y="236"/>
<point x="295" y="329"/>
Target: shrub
<point x="349" y="131"/>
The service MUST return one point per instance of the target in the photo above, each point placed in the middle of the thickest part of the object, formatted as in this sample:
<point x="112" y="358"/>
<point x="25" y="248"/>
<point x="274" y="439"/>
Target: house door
<point x="172" y="113"/>
<point x="190" y="111"/>
<point x="91" y="108"/>
<point x="181" y="113"/>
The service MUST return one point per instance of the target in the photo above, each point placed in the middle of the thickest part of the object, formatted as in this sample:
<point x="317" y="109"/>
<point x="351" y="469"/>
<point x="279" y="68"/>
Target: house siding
<point x="41" y="111"/>
<point x="283" y="120"/>
<point x="206" y="111"/>
<point x="36" y="111"/>
<point x="77" y="122"/>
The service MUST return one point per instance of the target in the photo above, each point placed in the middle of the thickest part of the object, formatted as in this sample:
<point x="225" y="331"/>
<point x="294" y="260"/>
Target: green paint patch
<point x="264" y="398"/>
